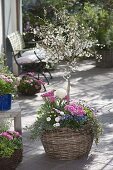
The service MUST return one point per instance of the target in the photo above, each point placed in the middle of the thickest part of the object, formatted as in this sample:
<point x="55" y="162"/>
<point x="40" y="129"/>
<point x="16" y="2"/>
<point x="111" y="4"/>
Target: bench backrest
<point x="16" y="41"/>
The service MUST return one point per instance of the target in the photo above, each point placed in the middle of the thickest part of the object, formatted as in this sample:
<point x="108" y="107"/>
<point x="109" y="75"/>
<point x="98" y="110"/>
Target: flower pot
<point x="5" y="102"/>
<point x="29" y="91"/>
<point x="12" y="162"/>
<point x="67" y="144"/>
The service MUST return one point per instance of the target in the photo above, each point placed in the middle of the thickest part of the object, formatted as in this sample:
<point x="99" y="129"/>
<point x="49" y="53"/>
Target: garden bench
<point x="27" y="59"/>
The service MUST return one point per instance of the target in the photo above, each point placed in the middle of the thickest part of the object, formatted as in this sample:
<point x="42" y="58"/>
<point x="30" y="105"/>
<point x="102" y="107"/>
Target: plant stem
<point x="68" y="90"/>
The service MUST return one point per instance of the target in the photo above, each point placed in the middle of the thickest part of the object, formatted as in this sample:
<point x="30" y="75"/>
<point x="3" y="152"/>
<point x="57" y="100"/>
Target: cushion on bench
<point x="27" y="59"/>
<point x="41" y="53"/>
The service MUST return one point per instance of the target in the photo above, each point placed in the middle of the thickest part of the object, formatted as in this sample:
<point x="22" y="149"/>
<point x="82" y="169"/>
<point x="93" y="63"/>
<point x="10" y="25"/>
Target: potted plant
<point x="10" y="150"/>
<point x="66" y="127"/>
<point x="7" y="88"/>
<point x="29" y="84"/>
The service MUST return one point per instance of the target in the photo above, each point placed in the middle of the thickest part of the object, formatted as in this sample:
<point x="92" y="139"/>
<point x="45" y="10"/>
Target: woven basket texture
<point x="30" y="92"/>
<point x="67" y="144"/>
<point x="12" y="162"/>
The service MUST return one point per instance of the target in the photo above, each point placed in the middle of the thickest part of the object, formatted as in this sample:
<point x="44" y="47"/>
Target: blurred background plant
<point x="5" y="125"/>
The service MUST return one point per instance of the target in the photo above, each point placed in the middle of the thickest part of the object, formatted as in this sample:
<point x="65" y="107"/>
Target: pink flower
<point x="5" y="134"/>
<point x="17" y="134"/>
<point x="66" y="98"/>
<point x="48" y="94"/>
<point x="52" y="99"/>
<point x="75" y="110"/>
<point x="41" y="82"/>
<point x="70" y="108"/>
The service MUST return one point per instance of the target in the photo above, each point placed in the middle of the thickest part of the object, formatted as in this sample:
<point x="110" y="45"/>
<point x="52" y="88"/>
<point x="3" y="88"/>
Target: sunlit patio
<point x="88" y="83"/>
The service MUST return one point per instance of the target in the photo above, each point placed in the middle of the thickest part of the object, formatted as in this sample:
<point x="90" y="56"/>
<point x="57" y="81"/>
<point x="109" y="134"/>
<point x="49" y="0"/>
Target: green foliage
<point x="101" y="21"/>
<point x="9" y="142"/>
<point x="4" y="125"/>
<point x="58" y="4"/>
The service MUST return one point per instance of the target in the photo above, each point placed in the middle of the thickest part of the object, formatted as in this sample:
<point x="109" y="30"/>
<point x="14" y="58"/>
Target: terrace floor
<point x="94" y="85"/>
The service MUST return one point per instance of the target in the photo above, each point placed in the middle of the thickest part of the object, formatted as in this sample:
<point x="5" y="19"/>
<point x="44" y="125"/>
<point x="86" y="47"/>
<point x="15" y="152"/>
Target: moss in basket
<point x="9" y="142"/>
<point x="57" y="113"/>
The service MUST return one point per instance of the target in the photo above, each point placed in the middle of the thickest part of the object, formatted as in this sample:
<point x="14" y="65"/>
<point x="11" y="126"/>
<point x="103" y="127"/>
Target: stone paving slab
<point x="95" y="86"/>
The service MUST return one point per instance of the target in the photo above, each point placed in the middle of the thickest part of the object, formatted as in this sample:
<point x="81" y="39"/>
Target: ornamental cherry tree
<point x="68" y="41"/>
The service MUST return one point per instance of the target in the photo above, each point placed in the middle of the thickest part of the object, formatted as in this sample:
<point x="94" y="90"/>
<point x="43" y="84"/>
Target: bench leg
<point x="45" y="78"/>
<point x="17" y="123"/>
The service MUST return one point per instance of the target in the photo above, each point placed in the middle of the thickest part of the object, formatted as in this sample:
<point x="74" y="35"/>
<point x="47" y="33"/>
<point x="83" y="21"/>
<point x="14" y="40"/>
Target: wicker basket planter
<point x="67" y="144"/>
<point x="12" y="162"/>
<point x="29" y="92"/>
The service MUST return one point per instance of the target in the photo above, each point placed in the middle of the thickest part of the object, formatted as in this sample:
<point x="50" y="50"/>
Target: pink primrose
<point x="75" y="110"/>
<point x="80" y="111"/>
<point x="48" y="94"/>
<point x="70" y="108"/>
<point x="52" y="99"/>
<point x="16" y="134"/>
<point x="5" y="134"/>
<point x="9" y="137"/>
<point x="8" y="80"/>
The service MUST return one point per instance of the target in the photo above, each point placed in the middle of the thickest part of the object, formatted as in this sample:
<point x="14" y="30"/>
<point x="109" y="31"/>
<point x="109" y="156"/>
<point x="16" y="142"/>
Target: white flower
<point x="61" y="93"/>
<point x="48" y="119"/>
<point x="61" y="113"/>
<point x="57" y="119"/>
<point x="56" y="124"/>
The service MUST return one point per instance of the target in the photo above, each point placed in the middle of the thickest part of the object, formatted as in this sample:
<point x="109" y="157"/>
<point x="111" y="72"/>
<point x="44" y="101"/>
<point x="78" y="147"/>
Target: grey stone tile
<point x="98" y="166"/>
